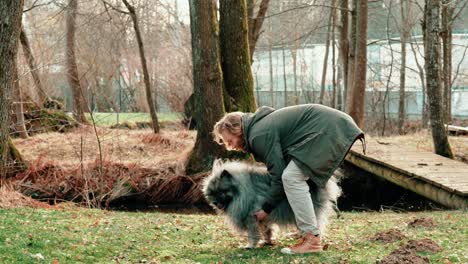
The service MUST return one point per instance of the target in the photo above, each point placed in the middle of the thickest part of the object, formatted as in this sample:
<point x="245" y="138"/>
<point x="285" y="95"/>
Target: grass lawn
<point x="76" y="235"/>
<point x="108" y="119"/>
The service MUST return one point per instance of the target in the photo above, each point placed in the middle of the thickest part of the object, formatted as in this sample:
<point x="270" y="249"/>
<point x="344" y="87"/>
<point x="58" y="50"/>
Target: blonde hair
<point x="231" y="122"/>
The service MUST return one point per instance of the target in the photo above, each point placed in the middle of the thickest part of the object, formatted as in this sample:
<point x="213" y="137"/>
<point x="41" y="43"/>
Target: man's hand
<point x="261" y="215"/>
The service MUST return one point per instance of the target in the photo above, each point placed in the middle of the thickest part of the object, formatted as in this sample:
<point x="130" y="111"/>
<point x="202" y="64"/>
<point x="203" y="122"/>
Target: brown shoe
<point x="309" y="243"/>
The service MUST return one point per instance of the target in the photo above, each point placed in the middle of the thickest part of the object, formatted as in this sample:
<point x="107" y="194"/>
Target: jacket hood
<point x="249" y="119"/>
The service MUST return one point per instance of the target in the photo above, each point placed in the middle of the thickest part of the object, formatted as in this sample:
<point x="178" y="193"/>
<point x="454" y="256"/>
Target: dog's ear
<point x="225" y="174"/>
<point x="217" y="163"/>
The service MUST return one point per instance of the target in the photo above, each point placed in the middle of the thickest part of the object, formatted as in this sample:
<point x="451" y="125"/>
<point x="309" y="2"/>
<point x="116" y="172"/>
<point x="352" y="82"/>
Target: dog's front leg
<point x="268" y="231"/>
<point x="253" y="233"/>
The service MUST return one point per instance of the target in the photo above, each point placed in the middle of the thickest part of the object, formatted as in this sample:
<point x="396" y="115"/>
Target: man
<point x="296" y="143"/>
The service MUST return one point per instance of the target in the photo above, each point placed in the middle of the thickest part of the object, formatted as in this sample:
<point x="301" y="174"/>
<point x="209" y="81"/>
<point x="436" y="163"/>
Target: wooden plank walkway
<point x="438" y="178"/>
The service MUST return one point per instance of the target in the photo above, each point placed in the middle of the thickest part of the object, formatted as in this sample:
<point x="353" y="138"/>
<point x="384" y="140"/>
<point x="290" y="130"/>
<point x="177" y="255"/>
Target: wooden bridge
<point x="440" y="179"/>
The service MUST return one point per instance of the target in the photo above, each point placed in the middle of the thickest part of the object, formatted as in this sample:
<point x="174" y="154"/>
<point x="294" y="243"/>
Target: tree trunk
<point x="359" y="87"/>
<point x="255" y="24"/>
<point x="146" y="76"/>
<point x="351" y="59"/>
<point x="285" y="80"/>
<point x="270" y="60"/>
<point x="446" y="35"/>
<point x="344" y="48"/>
<point x="18" y="103"/>
<point x="235" y="56"/>
<point x="79" y="102"/>
<point x="425" y="117"/>
<point x="294" y="59"/>
<point x="403" y="36"/>
<point x="325" y="59"/>
<point x="423" y="85"/>
<point x="15" y="160"/>
<point x="339" y="85"/>
<point x="10" y="21"/>
<point x="333" y="43"/>
<point x="389" y="78"/>
<point x="43" y="97"/>
<point x="433" y="81"/>
<point x="207" y="81"/>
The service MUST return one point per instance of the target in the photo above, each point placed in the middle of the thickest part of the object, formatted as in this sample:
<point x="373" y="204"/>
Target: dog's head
<point x="220" y="189"/>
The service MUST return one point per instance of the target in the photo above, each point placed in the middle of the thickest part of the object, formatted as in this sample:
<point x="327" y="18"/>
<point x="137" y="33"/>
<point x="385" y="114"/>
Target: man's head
<point x="228" y="131"/>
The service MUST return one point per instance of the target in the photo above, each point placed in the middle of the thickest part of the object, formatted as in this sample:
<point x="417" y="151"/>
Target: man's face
<point x="232" y="142"/>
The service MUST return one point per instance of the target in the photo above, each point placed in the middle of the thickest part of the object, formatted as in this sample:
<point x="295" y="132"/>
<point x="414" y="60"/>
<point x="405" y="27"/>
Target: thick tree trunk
<point x="433" y="81"/>
<point x="79" y="102"/>
<point x="255" y="24"/>
<point x="403" y="37"/>
<point x="235" y="56"/>
<point x="207" y="81"/>
<point x="43" y="97"/>
<point x="18" y="103"/>
<point x="146" y="76"/>
<point x="15" y="160"/>
<point x="325" y="59"/>
<point x="344" y="48"/>
<point x="10" y="21"/>
<point x="359" y="87"/>
<point x="351" y="58"/>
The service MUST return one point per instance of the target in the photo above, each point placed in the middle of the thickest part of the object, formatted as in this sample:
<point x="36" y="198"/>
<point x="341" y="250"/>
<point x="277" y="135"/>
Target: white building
<point x="384" y="62"/>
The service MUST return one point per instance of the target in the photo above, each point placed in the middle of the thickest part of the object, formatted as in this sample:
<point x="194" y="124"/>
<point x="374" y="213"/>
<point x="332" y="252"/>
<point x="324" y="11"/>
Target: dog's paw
<point x="248" y="247"/>
<point x="269" y="243"/>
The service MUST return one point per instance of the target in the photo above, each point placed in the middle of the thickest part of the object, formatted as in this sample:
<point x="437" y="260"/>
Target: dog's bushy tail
<point x="325" y="203"/>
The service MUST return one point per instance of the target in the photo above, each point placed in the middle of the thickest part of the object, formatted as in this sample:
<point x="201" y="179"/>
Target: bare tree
<point x="359" y="87"/>
<point x="344" y="45"/>
<point x="351" y="58"/>
<point x="207" y="81"/>
<point x="423" y="85"/>
<point x="285" y="80"/>
<point x="448" y="16"/>
<point x="43" y="97"/>
<point x="270" y="61"/>
<point x="404" y="31"/>
<point x="146" y="76"/>
<point x="327" y="50"/>
<point x="10" y="21"/>
<point x="255" y="23"/>
<point x="235" y="56"/>
<point x="18" y="104"/>
<point x="333" y="44"/>
<point x="79" y="102"/>
<point x="433" y="81"/>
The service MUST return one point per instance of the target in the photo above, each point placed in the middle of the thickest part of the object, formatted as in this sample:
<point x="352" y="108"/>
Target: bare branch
<point x="114" y="8"/>
<point x="458" y="66"/>
<point x="460" y="10"/>
<point x="34" y="5"/>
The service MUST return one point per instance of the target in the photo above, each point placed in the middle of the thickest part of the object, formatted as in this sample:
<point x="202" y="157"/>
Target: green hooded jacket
<point x="316" y="137"/>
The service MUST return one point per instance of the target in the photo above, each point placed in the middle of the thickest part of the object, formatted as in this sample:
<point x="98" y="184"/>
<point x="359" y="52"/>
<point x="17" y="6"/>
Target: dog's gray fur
<point x="239" y="190"/>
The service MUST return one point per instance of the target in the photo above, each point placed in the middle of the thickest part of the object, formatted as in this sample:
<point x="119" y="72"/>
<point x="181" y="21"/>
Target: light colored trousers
<point x="297" y="192"/>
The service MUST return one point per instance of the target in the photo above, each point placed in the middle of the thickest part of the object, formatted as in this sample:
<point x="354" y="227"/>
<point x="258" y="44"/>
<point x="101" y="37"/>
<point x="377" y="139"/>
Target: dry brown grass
<point x="68" y="166"/>
<point x="138" y="147"/>
<point x="10" y="198"/>
<point x="135" y="162"/>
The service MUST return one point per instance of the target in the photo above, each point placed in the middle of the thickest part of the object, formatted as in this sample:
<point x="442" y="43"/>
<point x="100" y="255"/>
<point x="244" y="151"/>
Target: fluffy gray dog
<point x="239" y="190"/>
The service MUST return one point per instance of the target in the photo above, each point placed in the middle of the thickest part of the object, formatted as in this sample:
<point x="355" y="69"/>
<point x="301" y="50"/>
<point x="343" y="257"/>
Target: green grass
<point x="77" y="235"/>
<point x="108" y="119"/>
